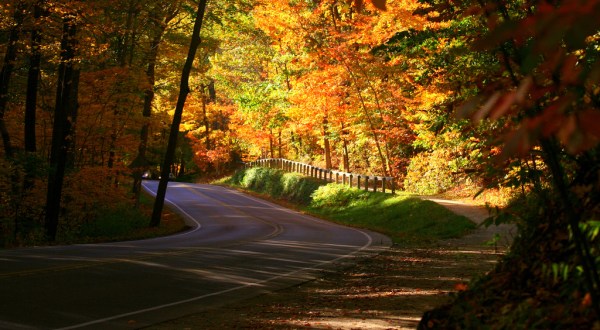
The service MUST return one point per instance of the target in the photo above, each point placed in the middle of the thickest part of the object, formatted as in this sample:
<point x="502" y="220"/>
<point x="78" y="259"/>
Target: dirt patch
<point x="389" y="291"/>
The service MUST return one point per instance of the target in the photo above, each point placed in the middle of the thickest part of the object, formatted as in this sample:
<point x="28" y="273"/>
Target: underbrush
<point x="540" y="284"/>
<point x="408" y="220"/>
<point x="93" y="209"/>
<point x="291" y="187"/>
<point x="124" y="222"/>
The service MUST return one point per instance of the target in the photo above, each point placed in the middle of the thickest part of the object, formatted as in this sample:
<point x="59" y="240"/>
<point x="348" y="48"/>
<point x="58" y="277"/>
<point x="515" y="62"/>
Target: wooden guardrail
<point x="361" y="181"/>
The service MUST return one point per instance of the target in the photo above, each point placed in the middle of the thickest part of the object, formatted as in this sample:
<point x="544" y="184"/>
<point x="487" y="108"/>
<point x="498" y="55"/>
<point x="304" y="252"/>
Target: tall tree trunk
<point x="279" y="144"/>
<point x="345" y="151"/>
<point x="140" y="164"/>
<point x="326" y="143"/>
<point x="205" y="121"/>
<point x="368" y="115"/>
<point x="65" y="96"/>
<point x="33" y="77"/>
<point x="125" y="57"/>
<point x="5" y="74"/>
<point x="184" y="90"/>
<point x="293" y="143"/>
<point x="271" y="144"/>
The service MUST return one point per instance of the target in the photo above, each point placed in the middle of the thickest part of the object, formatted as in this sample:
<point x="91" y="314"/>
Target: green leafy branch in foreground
<point x="408" y="220"/>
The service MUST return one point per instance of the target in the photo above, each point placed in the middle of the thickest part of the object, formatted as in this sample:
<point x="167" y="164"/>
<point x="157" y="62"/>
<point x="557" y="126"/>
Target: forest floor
<point x="391" y="290"/>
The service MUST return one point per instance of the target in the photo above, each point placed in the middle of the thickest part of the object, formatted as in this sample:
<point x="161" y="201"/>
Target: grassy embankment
<point x="408" y="220"/>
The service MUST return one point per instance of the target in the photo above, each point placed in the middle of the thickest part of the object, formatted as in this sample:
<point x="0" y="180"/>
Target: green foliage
<point x="335" y="195"/>
<point x="289" y="186"/>
<point x="407" y="220"/>
<point x="430" y="173"/>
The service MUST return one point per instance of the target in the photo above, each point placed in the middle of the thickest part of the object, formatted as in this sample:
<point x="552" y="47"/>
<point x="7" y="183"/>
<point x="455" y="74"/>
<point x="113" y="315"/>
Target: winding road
<point x="237" y="246"/>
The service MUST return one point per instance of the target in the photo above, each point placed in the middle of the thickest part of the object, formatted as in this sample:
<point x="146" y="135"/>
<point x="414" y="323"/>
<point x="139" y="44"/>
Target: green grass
<point x="408" y="220"/>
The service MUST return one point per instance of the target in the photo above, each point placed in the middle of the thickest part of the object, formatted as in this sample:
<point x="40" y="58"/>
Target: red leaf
<point x="589" y="122"/>
<point x="461" y="287"/>
<point x="587" y="300"/>
<point x="487" y="107"/>
<point x="503" y="105"/>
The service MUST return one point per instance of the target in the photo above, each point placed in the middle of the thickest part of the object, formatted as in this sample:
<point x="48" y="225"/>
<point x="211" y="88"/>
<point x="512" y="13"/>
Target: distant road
<point x="237" y="246"/>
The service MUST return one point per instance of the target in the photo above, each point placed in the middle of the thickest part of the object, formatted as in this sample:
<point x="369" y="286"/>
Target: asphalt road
<point x="237" y="246"/>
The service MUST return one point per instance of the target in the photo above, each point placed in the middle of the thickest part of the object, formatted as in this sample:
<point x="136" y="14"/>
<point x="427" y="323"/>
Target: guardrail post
<point x="383" y="184"/>
<point x="358" y="177"/>
<point x="375" y="184"/>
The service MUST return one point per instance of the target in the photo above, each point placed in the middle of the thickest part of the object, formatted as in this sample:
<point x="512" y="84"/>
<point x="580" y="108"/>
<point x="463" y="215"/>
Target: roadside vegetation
<point x="407" y="219"/>
<point x="105" y="223"/>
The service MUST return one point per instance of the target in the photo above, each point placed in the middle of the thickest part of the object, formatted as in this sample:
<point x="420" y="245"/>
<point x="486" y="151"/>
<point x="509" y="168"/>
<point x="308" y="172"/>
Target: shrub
<point x="335" y="195"/>
<point x="290" y="186"/>
<point x="430" y="173"/>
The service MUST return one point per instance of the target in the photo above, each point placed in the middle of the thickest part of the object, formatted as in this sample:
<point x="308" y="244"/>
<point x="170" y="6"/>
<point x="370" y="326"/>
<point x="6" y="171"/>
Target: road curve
<point x="237" y="246"/>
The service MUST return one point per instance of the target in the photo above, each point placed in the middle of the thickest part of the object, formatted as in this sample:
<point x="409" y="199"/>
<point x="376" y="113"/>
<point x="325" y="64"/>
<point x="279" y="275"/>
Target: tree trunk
<point x="140" y="164"/>
<point x="184" y="90"/>
<point x="279" y="144"/>
<point x="67" y="78"/>
<point x="345" y="151"/>
<point x="271" y="144"/>
<point x="33" y="77"/>
<point x="382" y="158"/>
<point x="5" y="74"/>
<point x="205" y="120"/>
<point x="326" y="143"/>
<point x="293" y="143"/>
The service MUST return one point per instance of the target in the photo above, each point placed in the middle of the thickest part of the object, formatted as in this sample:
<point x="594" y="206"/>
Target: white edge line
<point x="187" y="215"/>
<point x="150" y="309"/>
<point x="180" y="302"/>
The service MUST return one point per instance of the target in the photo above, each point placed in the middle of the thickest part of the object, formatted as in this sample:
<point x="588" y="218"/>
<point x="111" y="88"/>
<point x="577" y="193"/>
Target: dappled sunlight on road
<point x="389" y="291"/>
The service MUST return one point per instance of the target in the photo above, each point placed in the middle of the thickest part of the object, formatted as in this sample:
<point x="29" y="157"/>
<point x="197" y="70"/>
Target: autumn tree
<point x="64" y="117"/>
<point x="541" y="98"/>
<point x="184" y="90"/>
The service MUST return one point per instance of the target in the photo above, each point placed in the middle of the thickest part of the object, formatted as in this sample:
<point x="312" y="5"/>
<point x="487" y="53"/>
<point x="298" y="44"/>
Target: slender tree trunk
<point x="326" y="143"/>
<point x="174" y="133"/>
<point x="382" y="158"/>
<point x="205" y="121"/>
<point x="212" y="92"/>
<point x="33" y="77"/>
<point x="279" y="144"/>
<point x="5" y="74"/>
<point x="62" y="125"/>
<point x="140" y="164"/>
<point x="271" y="144"/>
<point x="293" y="142"/>
<point x="345" y="150"/>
